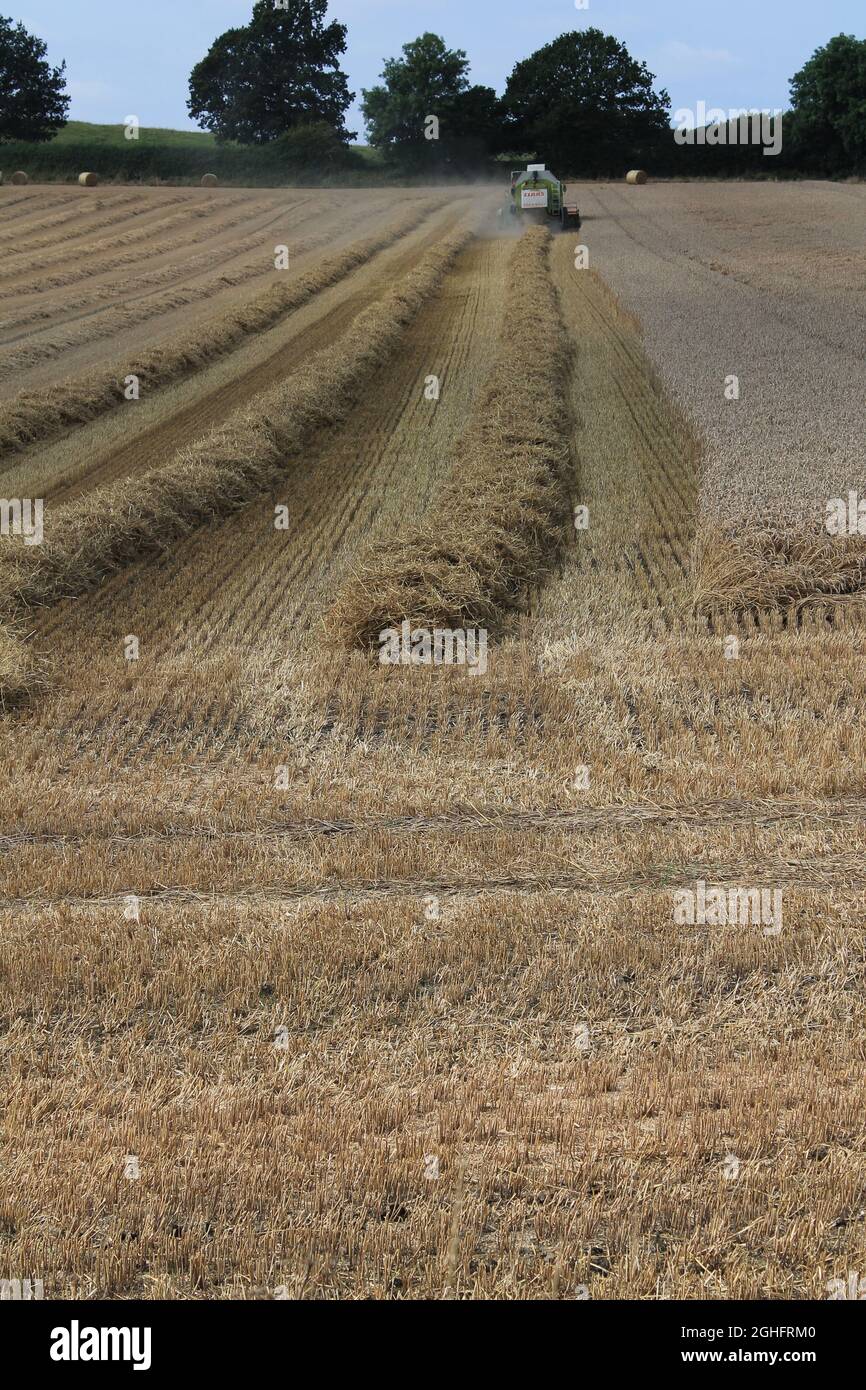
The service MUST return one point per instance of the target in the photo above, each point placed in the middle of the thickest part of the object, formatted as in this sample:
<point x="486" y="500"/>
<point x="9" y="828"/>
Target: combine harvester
<point x="537" y="190"/>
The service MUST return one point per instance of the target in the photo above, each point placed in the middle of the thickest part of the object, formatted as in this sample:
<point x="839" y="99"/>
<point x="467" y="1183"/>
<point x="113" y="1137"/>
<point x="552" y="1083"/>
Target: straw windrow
<point x="767" y="568"/>
<point x="22" y="675"/>
<point x="111" y="527"/>
<point x="496" y="525"/>
<point x="46" y="412"/>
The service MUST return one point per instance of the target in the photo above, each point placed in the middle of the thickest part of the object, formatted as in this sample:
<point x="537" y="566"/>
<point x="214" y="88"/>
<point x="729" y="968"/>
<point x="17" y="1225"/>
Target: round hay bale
<point x="636" y="176"/>
<point x="20" y="177"/>
<point x="208" y="180"/>
<point x="88" y="180"/>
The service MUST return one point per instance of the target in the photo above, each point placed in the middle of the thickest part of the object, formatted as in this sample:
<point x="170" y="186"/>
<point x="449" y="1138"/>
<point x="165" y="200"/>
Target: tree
<point x="828" y="97"/>
<point x="316" y="147"/>
<point x="33" y="100"/>
<point x="426" y="113"/>
<point x="585" y="105"/>
<point x="279" y="71"/>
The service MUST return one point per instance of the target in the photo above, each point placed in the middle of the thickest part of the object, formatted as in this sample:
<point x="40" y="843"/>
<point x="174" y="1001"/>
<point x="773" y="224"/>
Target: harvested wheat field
<point x="325" y="977"/>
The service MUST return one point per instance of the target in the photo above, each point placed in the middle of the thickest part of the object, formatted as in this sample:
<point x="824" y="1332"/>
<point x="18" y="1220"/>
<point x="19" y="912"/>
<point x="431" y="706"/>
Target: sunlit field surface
<point x="326" y="977"/>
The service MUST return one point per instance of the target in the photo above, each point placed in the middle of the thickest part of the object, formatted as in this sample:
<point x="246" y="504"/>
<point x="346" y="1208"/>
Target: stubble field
<point x="335" y="979"/>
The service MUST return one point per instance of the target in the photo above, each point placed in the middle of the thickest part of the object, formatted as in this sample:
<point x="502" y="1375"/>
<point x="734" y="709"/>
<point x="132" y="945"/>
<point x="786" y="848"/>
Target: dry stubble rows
<point x="418" y="1045"/>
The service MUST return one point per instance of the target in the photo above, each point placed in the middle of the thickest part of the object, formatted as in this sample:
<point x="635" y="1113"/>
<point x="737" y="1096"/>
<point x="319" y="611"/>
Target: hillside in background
<point x="176" y="156"/>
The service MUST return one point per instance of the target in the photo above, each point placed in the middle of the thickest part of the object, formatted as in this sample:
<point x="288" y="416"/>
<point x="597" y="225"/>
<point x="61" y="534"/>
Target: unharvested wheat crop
<point x="749" y="300"/>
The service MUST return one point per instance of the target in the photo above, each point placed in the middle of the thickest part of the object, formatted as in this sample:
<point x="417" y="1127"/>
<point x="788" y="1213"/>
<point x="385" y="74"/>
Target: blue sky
<point x="135" y="58"/>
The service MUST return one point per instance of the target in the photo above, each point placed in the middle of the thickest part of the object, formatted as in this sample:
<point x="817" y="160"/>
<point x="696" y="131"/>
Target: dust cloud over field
<point x="308" y="961"/>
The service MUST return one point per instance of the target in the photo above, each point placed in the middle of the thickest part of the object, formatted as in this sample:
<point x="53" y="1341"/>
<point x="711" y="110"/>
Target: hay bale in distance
<point x="208" y="180"/>
<point x="88" y="180"/>
<point x="20" y="177"/>
<point x="636" y="176"/>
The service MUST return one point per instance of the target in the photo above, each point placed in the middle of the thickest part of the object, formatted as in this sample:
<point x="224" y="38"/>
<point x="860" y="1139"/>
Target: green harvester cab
<point x="537" y="191"/>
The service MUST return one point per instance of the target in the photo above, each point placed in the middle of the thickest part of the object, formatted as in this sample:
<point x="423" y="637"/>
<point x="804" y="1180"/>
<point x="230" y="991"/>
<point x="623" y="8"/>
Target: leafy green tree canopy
<point x="279" y="71"/>
<point x="828" y="98"/>
<point x="585" y="105"/>
<point x="426" y="111"/>
<point x="316" y="147"/>
<point x="33" y="100"/>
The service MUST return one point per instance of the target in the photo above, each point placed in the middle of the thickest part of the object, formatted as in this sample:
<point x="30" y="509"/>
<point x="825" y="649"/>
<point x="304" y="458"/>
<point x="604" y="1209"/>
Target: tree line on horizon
<point x="581" y="103"/>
